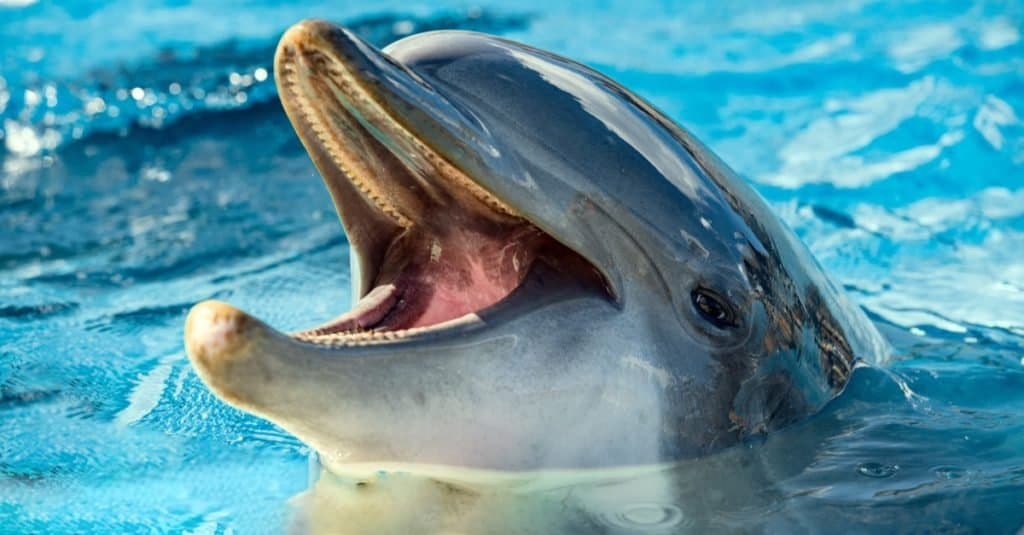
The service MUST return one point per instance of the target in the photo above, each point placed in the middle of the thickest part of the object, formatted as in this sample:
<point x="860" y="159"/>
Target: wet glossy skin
<point x="709" y="321"/>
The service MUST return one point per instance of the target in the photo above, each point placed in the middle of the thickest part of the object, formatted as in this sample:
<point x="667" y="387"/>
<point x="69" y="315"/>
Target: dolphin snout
<point x="218" y="340"/>
<point x="214" y="331"/>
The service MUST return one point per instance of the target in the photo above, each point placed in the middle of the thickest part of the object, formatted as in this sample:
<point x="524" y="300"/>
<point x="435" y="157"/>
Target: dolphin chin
<point x="551" y="273"/>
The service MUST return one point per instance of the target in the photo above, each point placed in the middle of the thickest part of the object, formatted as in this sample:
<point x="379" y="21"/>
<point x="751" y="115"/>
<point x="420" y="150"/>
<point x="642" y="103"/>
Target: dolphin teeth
<point x="290" y="81"/>
<point x="362" y="338"/>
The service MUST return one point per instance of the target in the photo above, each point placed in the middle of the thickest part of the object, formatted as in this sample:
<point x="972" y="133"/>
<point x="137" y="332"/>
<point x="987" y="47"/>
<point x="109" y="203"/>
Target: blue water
<point x="146" y="165"/>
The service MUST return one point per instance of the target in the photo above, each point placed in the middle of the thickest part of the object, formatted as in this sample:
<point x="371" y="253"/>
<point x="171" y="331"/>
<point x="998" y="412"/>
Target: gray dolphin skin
<point x="551" y="274"/>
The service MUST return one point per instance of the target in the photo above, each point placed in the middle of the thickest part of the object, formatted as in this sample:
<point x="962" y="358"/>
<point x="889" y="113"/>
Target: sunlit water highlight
<point x="146" y="166"/>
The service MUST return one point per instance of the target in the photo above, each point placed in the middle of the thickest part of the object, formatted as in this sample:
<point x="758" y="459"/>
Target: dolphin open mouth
<point x="434" y="247"/>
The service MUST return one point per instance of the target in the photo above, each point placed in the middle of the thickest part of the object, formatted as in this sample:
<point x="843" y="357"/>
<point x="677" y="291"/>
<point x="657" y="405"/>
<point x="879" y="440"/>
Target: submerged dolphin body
<point x="553" y="275"/>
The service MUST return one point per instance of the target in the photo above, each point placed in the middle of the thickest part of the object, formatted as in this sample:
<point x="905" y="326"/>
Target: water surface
<point x="146" y="165"/>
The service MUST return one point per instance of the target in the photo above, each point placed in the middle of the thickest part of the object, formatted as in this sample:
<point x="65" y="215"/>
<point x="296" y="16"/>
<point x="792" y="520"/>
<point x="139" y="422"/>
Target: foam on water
<point x="147" y="166"/>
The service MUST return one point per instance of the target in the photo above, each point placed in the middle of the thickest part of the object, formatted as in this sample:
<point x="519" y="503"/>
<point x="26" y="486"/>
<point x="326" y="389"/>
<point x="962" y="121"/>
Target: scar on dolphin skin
<point x="551" y="273"/>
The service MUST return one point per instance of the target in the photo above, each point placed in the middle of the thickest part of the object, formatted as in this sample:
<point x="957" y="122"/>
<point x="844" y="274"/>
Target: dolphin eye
<point x="713" y="308"/>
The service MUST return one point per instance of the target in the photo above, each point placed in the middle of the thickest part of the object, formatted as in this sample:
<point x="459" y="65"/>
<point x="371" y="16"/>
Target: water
<point x="146" y="166"/>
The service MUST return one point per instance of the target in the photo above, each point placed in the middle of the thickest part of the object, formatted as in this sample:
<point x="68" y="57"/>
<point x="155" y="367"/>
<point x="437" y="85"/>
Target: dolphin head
<point x="550" y="272"/>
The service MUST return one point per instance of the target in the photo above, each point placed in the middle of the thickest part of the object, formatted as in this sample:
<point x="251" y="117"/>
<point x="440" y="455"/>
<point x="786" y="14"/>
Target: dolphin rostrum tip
<point x="217" y="340"/>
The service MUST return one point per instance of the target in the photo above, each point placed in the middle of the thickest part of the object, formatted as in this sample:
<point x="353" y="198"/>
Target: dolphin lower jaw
<point x="337" y="403"/>
<point x="446" y="395"/>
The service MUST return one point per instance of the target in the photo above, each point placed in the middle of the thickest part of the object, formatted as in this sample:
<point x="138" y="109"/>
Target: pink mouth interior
<point x="428" y="278"/>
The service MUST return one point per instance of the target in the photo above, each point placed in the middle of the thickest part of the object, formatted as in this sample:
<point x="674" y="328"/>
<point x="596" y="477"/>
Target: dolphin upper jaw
<point x="331" y="78"/>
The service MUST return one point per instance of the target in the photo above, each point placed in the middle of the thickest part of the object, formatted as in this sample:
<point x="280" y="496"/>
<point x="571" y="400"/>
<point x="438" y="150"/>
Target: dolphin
<point x="549" y="272"/>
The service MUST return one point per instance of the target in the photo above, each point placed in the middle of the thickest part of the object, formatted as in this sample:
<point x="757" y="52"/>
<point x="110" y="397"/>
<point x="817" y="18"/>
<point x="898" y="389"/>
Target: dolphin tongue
<point x="366" y="313"/>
